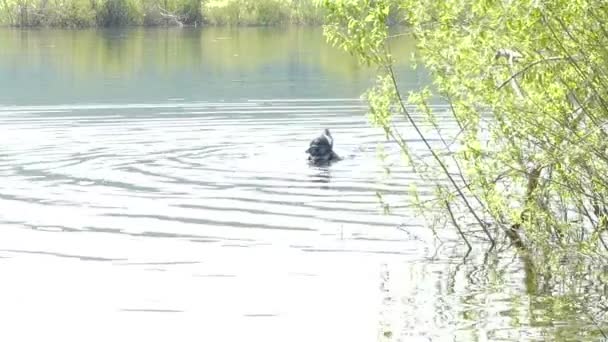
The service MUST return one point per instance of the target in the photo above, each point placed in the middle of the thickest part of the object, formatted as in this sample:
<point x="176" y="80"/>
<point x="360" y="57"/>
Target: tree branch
<point x="167" y="15"/>
<point x="527" y="67"/>
<point x="436" y="157"/>
<point x="447" y="205"/>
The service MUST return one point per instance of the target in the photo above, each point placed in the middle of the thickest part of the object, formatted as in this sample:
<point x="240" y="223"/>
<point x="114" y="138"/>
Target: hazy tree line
<point x="106" y="13"/>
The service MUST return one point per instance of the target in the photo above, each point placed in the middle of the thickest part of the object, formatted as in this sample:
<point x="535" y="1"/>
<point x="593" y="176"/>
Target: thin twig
<point x="596" y="324"/>
<point x="602" y="241"/>
<point x="435" y="156"/>
<point x="398" y="35"/>
<point x="527" y="67"/>
<point x="447" y="205"/>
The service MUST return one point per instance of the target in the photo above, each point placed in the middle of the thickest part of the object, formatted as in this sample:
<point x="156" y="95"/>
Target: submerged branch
<point x="436" y="156"/>
<point x="447" y="206"/>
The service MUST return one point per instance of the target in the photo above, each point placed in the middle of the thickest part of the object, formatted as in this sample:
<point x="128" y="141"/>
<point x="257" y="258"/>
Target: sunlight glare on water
<point x="199" y="216"/>
<point x="155" y="193"/>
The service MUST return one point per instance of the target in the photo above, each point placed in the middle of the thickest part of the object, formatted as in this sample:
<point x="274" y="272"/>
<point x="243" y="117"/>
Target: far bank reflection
<point x="145" y="64"/>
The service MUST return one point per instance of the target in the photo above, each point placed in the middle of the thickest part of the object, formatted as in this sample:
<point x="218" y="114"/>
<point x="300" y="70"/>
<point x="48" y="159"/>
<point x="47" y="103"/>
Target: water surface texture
<point x="154" y="188"/>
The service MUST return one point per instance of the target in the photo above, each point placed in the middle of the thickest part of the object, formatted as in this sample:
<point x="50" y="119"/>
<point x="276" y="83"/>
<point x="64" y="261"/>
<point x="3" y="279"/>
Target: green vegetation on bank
<point x="105" y="13"/>
<point x="527" y="84"/>
<point x="262" y="12"/>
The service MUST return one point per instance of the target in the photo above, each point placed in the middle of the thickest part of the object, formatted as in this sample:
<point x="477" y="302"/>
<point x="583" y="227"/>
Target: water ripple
<point x="188" y="169"/>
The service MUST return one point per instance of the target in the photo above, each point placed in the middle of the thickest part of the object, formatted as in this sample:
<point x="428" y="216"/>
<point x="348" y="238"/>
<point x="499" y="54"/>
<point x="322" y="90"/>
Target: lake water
<point x="155" y="188"/>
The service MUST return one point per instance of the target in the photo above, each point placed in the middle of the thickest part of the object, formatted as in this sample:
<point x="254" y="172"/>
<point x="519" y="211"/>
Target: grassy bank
<point x="262" y="12"/>
<point x="104" y="13"/>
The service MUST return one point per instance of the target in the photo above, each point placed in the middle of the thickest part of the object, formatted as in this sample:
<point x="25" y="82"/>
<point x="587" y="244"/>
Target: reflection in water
<point x="322" y="175"/>
<point x="155" y="180"/>
<point x="210" y="64"/>
<point x="484" y="299"/>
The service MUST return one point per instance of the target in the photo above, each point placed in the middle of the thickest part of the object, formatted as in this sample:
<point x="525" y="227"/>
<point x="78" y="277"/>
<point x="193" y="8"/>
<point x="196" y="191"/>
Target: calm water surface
<point x="154" y="188"/>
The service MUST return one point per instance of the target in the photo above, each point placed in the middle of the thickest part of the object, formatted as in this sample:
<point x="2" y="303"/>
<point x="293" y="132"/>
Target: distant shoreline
<point x="159" y="13"/>
<point x="81" y="14"/>
<point x="188" y="26"/>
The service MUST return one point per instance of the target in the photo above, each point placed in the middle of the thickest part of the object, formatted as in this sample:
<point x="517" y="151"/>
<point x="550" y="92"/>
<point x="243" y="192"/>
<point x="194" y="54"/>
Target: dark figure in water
<point x="321" y="149"/>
